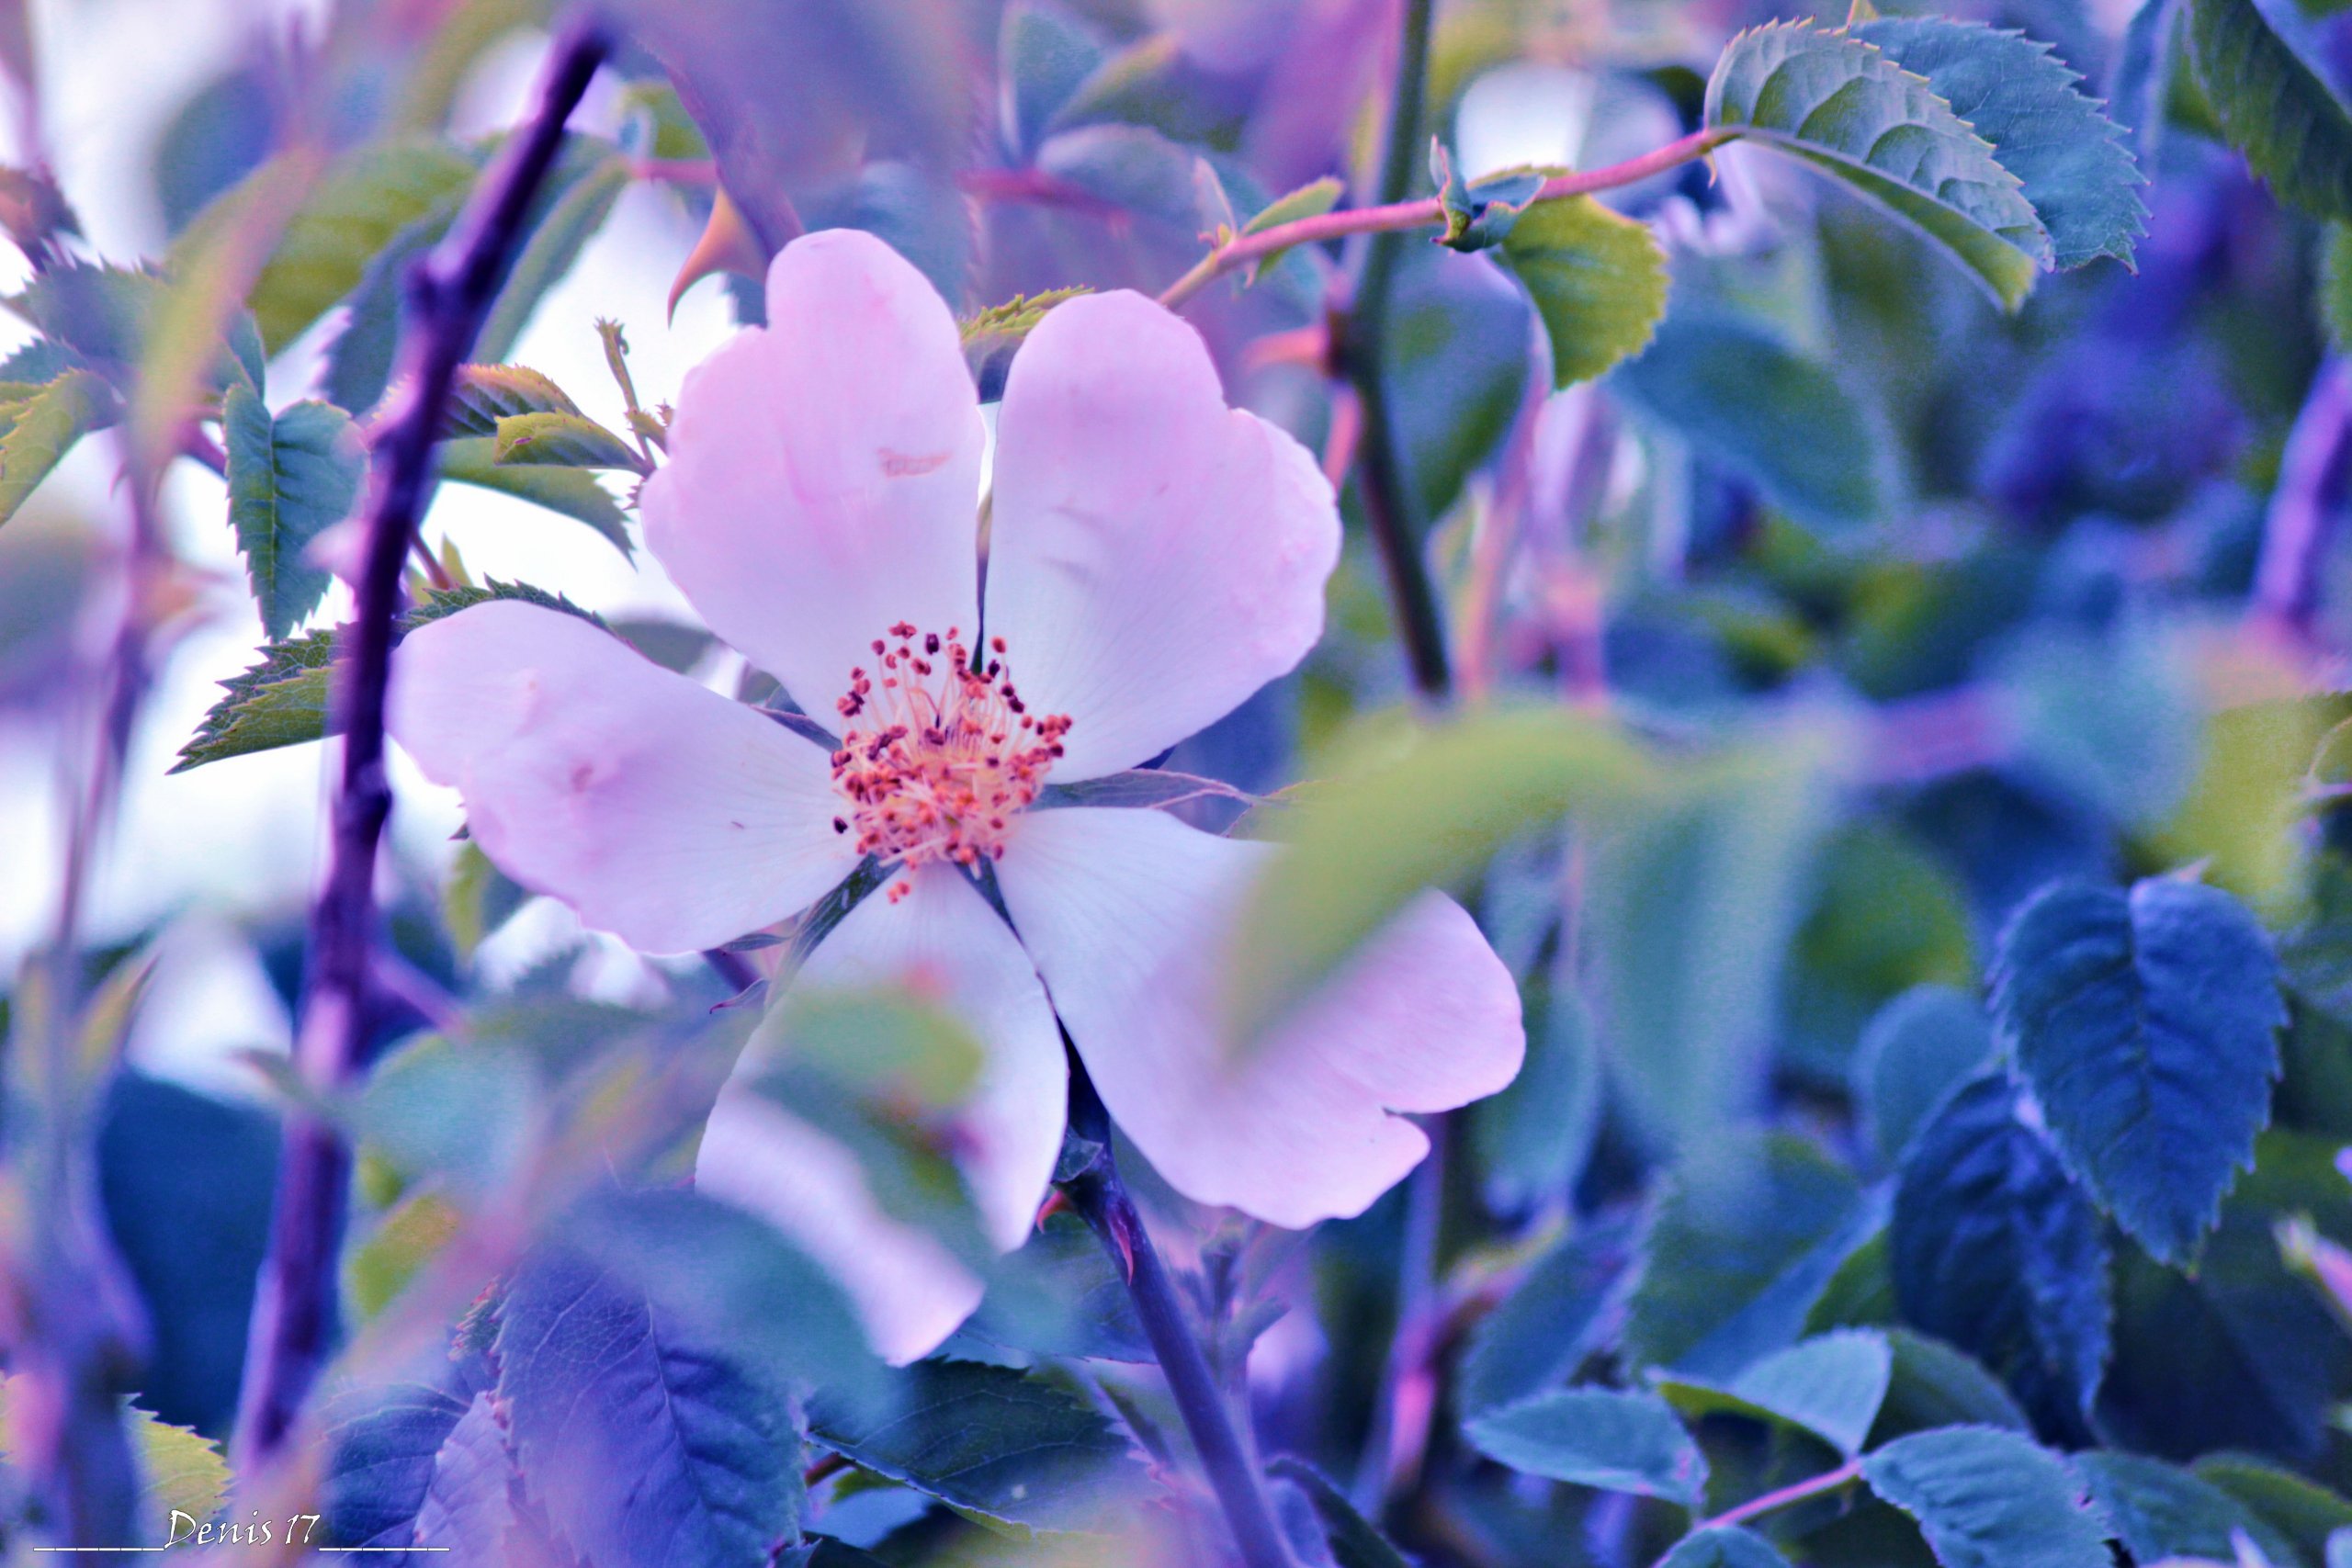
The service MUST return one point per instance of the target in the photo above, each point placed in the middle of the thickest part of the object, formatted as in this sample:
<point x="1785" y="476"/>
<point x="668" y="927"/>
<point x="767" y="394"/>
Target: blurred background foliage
<point x="1796" y="657"/>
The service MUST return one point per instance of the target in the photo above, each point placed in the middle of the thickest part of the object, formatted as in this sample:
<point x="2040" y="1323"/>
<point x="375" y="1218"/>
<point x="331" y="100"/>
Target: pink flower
<point x="1153" y="557"/>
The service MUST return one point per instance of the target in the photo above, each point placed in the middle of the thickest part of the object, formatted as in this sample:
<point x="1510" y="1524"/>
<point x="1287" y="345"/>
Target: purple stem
<point x="2312" y="474"/>
<point x="450" y="291"/>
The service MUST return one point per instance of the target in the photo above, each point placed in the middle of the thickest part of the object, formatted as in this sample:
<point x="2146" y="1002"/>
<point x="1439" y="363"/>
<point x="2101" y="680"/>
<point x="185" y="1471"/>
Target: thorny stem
<point x="1427" y="213"/>
<point x="1812" y="1486"/>
<point x="450" y="292"/>
<point x="1102" y="1200"/>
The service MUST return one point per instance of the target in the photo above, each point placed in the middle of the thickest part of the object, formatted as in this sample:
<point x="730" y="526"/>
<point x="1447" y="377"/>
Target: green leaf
<point x="482" y="395"/>
<point x="1559" y="1313"/>
<point x="2146" y="1025"/>
<point x="2303" y="1513"/>
<point x="358" y="206"/>
<point x="1597" y="279"/>
<point x="2017" y="94"/>
<point x="282" y="700"/>
<point x="1831" y="1386"/>
<point x="573" y="492"/>
<point x="1312" y="199"/>
<point x="1885" y="915"/>
<point x="589" y="178"/>
<point x="993" y="1444"/>
<point x="1599" y="1438"/>
<point x="1986" y="1498"/>
<point x="1777" y="419"/>
<point x="1933" y="1384"/>
<point x="1725" y="1546"/>
<point x="1921" y="1047"/>
<point x="2273" y="107"/>
<point x="290" y="476"/>
<point x="1844" y="106"/>
<point x="179" y="1471"/>
<point x="1352" y="1539"/>
<point x="562" y="440"/>
<point x="1745" y="1236"/>
<point x="1433" y="811"/>
<point x="992" y="336"/>
<point x="359" y="360"/>
<point x="2160" y="1512"/>
<point x="1996" y="1251"/>
<point x="43" y="427"/>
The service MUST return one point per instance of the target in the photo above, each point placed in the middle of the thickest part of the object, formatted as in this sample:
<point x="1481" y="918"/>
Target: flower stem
<point x="450" y="292"/>
<point x="1812" y="1486"/>
<point x="1427" y="213"/>
<point x="1102" y="1199"/>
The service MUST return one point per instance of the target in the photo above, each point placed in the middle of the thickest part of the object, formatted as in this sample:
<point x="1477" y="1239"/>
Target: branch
<point x="1813" y="1486"/>
<point x="1393" y="216"/>
<point x="1102" y="1199"/>
<point x="2304" y="508"/>
<point x="450" y="293"/>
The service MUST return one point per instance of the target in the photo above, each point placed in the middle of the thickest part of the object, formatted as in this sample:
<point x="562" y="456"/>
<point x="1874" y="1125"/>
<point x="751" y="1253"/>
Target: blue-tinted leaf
<point x="1986" y="1498"/>
<point x="1725" y="1546"/>
<point x="2017" y="94"/>
<point x="1748" y="1233"/>
<point x="1781" y="422"/>
<point x="1537" y="1335"/>
<point x="381" y="1448"/>
<point x="2306" y="1517"/>
<point x="290" y="476"/>
<point x="1932" y="1384"/>
<point x="1995" y="1250"/>
<point x="1842" y="106"/>
<point x="1350" y="1537"/>
<point x="1059" y="1295"/>
<point x="1456" y="355"/>
<point x="2274" y="108"/>
<point x="991" y="1443"/>
<point x="2146" y="1025"/>
<point x="1532" y="1139"/>
<point x="578" y="197"/>
<point x="467" y="1508"/>
<point x="1921" y="1046"/>
<point x="1042" y="55"/>
<point x="1599" y="1437"/>
<point x="1830" y="1386"/>
<point x="2159" y="1512"/>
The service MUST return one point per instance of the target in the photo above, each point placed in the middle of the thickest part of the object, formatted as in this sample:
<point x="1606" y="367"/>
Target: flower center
<point x="937" y="755"/>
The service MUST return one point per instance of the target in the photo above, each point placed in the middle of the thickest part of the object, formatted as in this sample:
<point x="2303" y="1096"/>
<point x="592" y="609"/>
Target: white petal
<point x="1128" y="913"/>
<point x="824" y="471"/>
<point x="943" y="941"/>
<point x="658" y="810"/>
<point x="1156" y="556"/>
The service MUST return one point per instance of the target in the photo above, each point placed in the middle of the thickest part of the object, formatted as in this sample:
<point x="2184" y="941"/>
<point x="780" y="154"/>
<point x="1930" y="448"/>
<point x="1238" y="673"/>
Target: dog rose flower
<point x="1151" y="557"/>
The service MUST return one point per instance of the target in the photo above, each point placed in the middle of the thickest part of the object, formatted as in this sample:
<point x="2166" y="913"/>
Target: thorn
<point x="1057" y="1202"/>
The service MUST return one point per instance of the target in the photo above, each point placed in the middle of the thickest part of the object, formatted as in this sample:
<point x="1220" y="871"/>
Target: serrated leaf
<point x="362" y="201"/>
<point x="2273" y="107"/>
<point x="1831" y="1386"/>
<point x="634" y="1432"/>
<point x="571" y="492"/>
<point x="1996" y="1251"/>
<point x="1748" y="1233"/>
<point x="1918" y="1049"/>
<point x="1725" y="1546"/>
<point x="1598" y="278"/>
<point x="41" y="428"/>
<point x="561" y="440"/>
<point x="1986" y="1498"/>
<point x="1558" y="1314"/>
<point x="991" y="1443"/>
<point x="482" y="395"/>
<point x="1784" y="422"/>
<point x="2146" y="1025"/>
<point x="2017" y="94"/>
<point x="2160" y="1512"/>
<point x="291" y="477"/>
<point x="467" y="1509"/>
<point x="282" y="700"/>
<point x="1600" y="1437"/>
<point x="992" y="336"/>
<point x="178" y="1470"/>
<point x="1847" y="108"/>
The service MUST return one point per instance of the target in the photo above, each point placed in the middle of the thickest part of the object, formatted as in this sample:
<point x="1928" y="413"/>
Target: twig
<point x="1392" y="216"/>
<point x="450" y="292"/>
<point x="1102" y="1200"/>
<point x="1813" y="1486"/>
<point x="2304" y="508"/>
